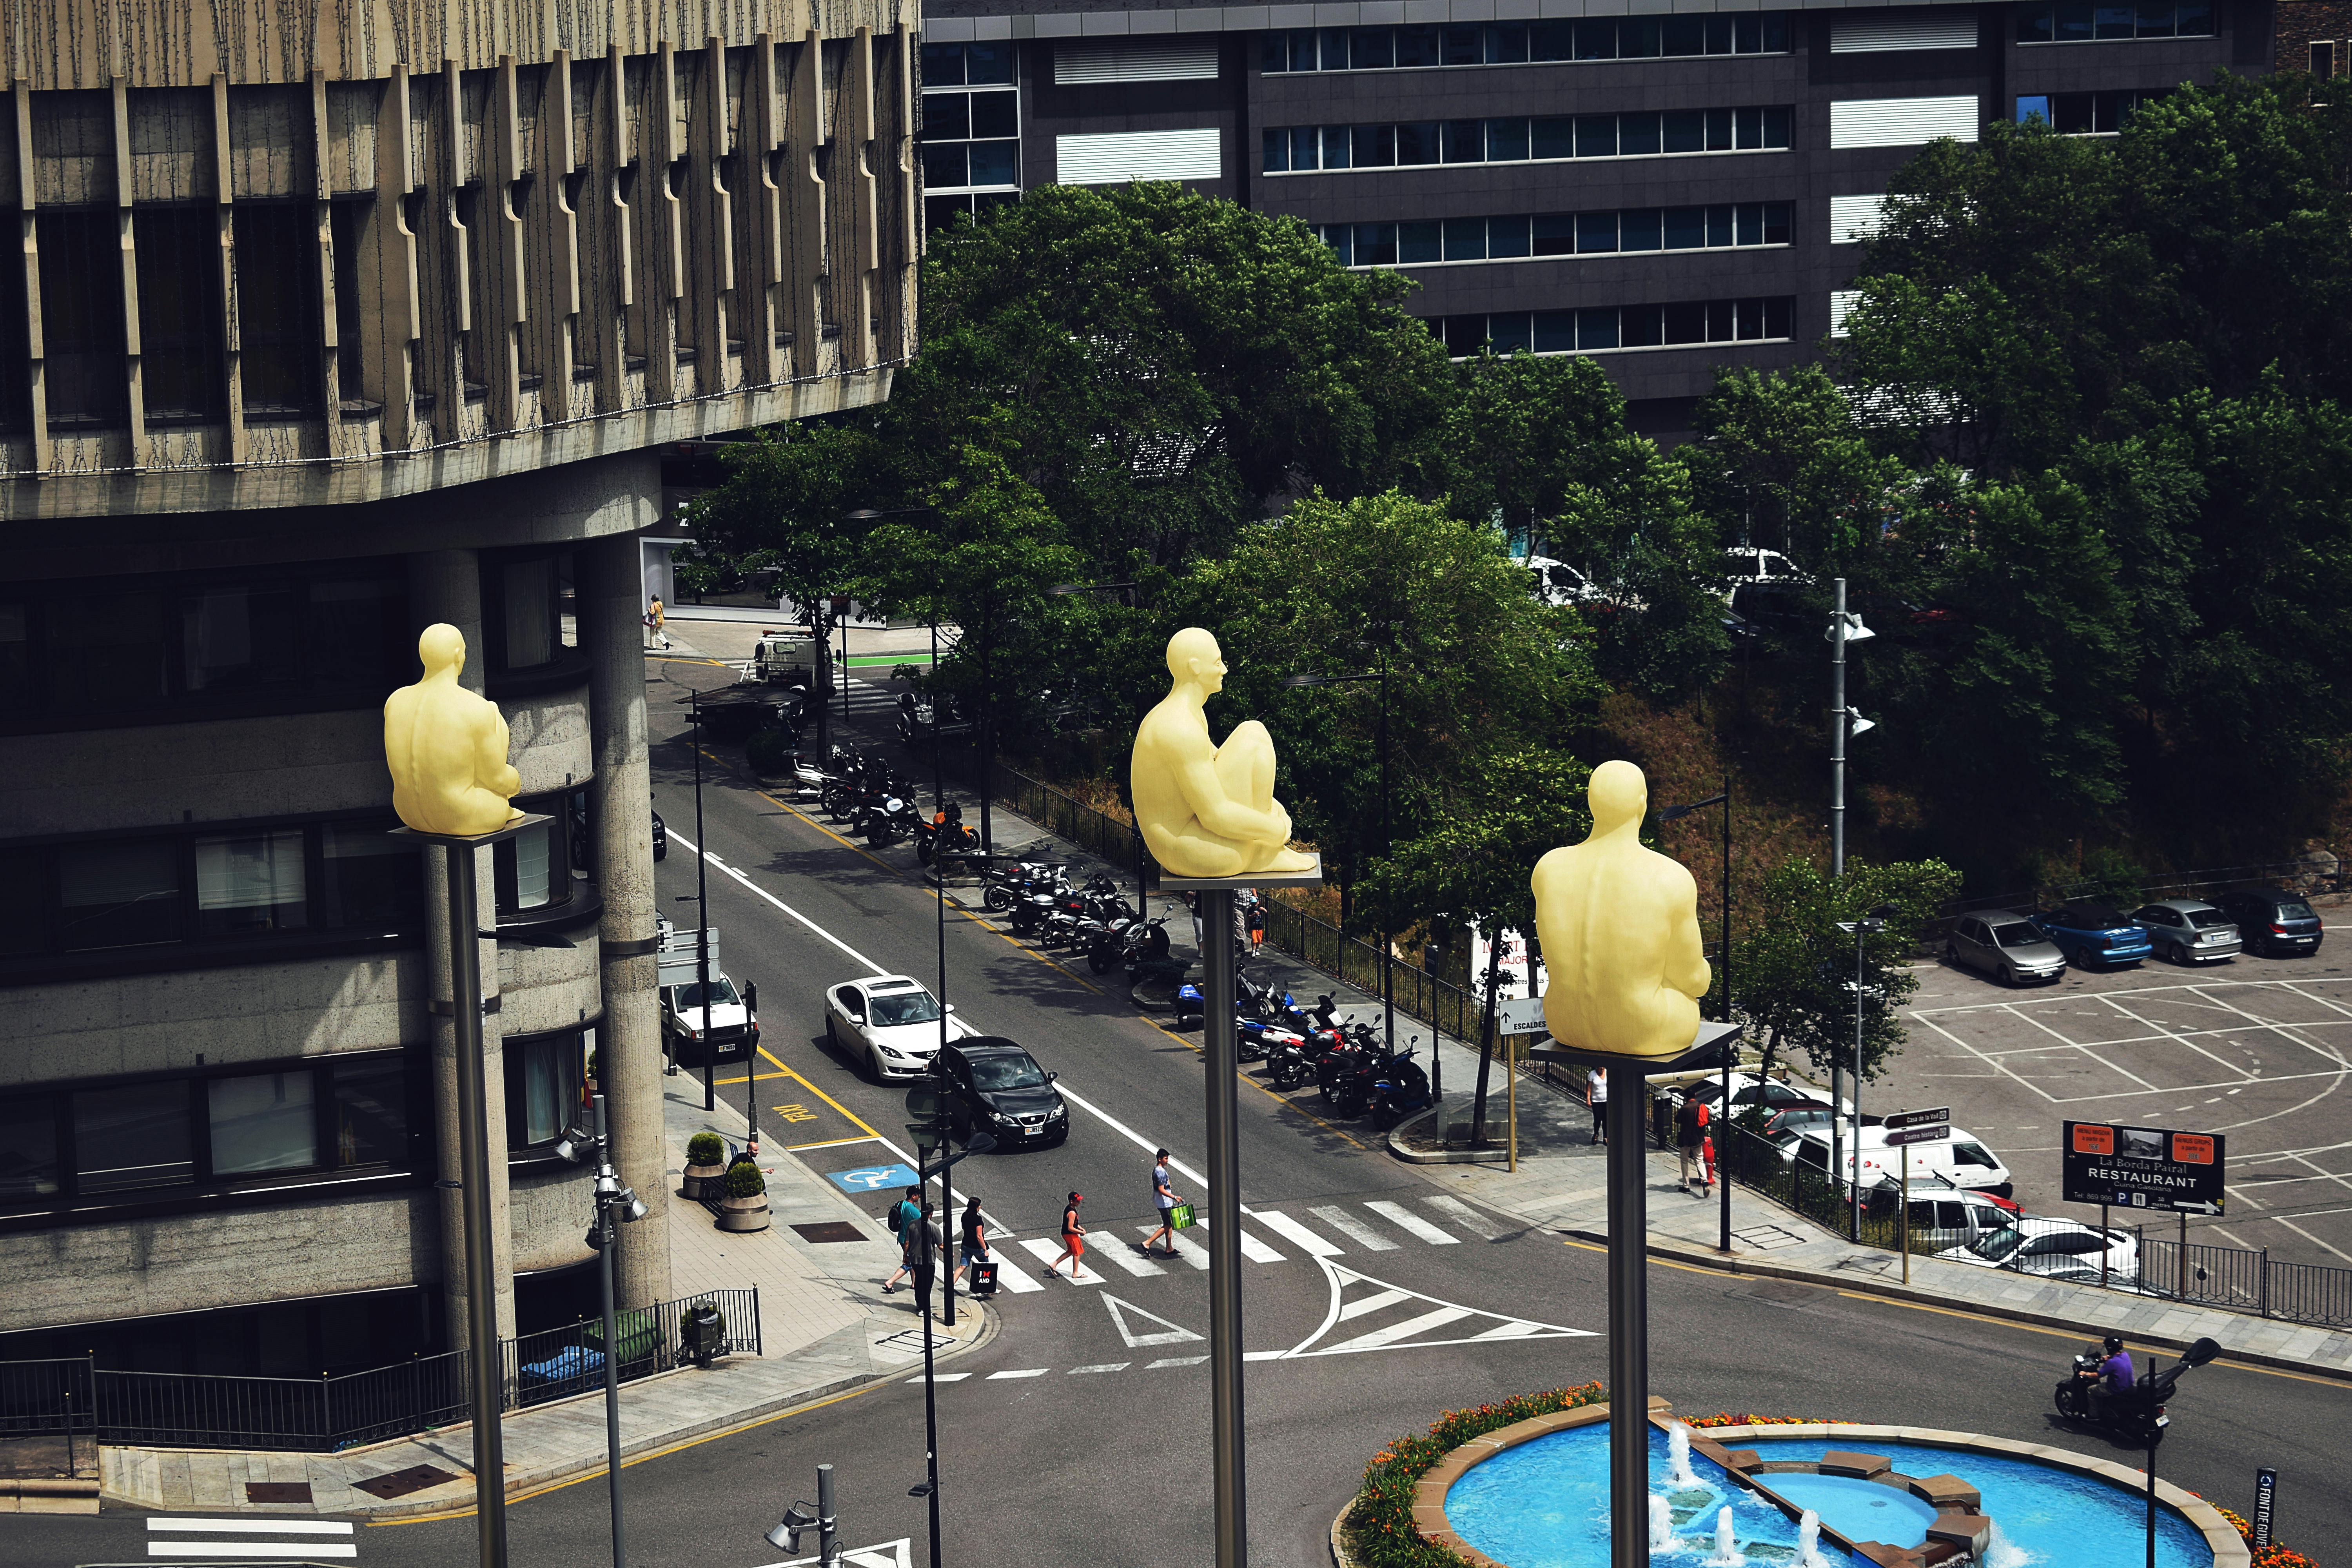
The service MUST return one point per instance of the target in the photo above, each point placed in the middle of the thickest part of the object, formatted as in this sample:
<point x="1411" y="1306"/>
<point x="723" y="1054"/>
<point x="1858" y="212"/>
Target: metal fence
<point x="322" y="1415"/>
<point x="1065" y="817"/>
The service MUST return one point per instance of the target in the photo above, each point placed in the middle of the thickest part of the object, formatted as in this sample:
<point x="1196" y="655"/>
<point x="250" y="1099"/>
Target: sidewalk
<point x="824" y="1325"/>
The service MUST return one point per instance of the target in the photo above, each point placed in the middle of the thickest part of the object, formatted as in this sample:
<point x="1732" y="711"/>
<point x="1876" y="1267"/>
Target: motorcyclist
<point x="2115" y="1377"/>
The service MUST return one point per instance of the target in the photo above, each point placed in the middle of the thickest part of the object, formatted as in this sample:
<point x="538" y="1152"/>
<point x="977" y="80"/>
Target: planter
<point x="691" y="1186"/>
<point x="744" y="1214"/>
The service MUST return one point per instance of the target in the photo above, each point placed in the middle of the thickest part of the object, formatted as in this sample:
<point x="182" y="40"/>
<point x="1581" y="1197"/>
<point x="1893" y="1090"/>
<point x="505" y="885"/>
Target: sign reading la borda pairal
<point x="2142" y="1167"/>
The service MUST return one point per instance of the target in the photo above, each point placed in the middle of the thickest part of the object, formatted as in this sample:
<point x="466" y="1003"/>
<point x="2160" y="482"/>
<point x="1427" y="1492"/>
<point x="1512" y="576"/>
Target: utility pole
<point x="1837" y="735"/>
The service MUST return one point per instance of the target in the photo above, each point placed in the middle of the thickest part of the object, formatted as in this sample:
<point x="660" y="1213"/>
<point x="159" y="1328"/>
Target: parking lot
<point x="2257" y="1049"/>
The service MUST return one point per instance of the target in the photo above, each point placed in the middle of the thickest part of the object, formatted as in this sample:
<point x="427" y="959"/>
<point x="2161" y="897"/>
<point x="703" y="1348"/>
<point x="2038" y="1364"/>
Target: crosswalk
<point x="250" y="1540"/>
<point x="1269" y="1235"/>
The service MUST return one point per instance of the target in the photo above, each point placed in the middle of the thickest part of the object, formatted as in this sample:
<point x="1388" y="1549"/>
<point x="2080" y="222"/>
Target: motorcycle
<point x="885" y="822"/>
<point x="1129" y="944"/>
<point x="1400" y="1089"/>
<point x="958" y="838"/>
<point x="2131" y="1415"/>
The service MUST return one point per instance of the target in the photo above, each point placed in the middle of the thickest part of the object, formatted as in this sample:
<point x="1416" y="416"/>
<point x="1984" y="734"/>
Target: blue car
<point x="2091" y="934"/>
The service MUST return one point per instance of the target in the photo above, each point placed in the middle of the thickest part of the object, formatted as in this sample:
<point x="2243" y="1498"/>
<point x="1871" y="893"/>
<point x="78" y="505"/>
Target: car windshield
<point x="1996" y="1245"/>
<point x="722" y="991"/>
<point x="2016" y="933"/>
<point x="2296" y="909"/>
<point x="2206" y="920"/>
<point x="904" y="1007"/>
<point x="990" y="1074"/>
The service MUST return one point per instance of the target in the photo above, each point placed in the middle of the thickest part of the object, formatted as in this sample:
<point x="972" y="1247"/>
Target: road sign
<point x="2265" y="1499"/>
<point x="923" y="1102"/>
<point x="2142" y="1167"/>
<point x="679" y="959"/>
<point x="1918" y="1127"/>
<point x="1942" y="1113"/>
<point x="1519" y="1016"/>
<point x="872" y="1178"/>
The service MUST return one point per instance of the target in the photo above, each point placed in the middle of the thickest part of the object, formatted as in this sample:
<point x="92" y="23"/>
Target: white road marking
<point x="257" y="1526"/>
<point x="1354" y="1230"/>
<point x="1357" y="1309"/>
<point x="1306" y="1241"/>
<point x="1107" y="1366"/>
<point x="1045" y="1250"/>
<point x="1186" y="1247"/>
<point x="943" y="1377"/>
<point x="1123" y="1258"/>
<point x="1176" y="1360"/>
<point x="1379" y="1295"/>
<point x="1412" y="1224"/>
<point x="1437" y="1318"/>
<point x="1027" y="1371"/>
<point x="1254" y="1250"/>
<point x="1011" y="1275"/>
<point x="1167" y="1333"/>
<point x="247" y="1549"/>
<point x="1468" y="1219"/>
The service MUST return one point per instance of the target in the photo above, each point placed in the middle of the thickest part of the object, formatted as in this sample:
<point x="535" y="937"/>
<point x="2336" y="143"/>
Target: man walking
<point x="1690" y="1133"/>
<point x="1163" y="1198"/>
<point x="905" y="1216"/>
<point x="1596" y="1092"/>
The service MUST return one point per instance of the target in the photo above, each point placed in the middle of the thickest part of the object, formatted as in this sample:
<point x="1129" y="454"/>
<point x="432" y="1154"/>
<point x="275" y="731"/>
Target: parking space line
<point x="2179" y="1039"/>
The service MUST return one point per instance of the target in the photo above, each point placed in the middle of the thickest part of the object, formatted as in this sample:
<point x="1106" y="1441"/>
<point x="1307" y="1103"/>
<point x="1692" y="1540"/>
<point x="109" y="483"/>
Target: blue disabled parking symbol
<point x="872" y="1178"/>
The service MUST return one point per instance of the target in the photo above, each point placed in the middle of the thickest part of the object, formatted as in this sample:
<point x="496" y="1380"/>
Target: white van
<point x="1962" y="1159"/>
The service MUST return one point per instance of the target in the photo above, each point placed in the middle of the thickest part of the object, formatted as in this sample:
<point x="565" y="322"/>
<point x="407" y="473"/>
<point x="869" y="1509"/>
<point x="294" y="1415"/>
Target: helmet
<point x="2114" y="1342"/>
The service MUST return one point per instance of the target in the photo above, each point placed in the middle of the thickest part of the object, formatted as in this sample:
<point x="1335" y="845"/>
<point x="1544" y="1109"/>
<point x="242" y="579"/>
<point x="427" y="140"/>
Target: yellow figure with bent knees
<point x="1619" y="924"/>
<point x="1207" y="810"/>
<point x="447" y="747"/>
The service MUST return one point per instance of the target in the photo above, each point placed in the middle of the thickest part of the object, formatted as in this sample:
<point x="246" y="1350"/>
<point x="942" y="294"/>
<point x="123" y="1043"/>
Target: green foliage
<point x="1379" y="1527"/>
<point x="744" y="1180"/>
<point x="704" y="1148"/>
<point x="785" y="505"/>
<point x="1474" y="860"/>
<point x="769" y="750"/>
<point x="1796" y="970"/>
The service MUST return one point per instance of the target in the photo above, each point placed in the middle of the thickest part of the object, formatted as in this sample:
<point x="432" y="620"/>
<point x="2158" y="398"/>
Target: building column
<point x="612" y="628"/>
<point x="446" y="585"/>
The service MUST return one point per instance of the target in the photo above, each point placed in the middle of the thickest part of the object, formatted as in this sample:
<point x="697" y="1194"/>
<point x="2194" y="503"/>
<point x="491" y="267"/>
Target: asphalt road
<point x="1062" y="1444"/>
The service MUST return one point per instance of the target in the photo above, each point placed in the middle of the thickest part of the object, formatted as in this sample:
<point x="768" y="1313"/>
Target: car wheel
<point x="1952" y="954"/>
<point x="874" y="1065"/>
<point x="832" y="1035"/>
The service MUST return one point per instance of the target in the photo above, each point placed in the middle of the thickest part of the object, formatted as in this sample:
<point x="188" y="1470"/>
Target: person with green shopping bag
<point x="1164" y="1198"/>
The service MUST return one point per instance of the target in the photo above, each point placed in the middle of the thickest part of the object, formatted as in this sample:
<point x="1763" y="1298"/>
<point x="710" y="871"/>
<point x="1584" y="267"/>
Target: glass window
<point x="105" y="650"/>
<point x="2074" y="22"/>
<point x="1718" y="130"/>
<point x="1596" y="40"/>
<point x="1466" y="239"/>
<point x="250" y="882"/>
<point x="1775" y="223"/>
<point x="1718" y="225"/>
<point x="129" y="1136"/>
<point x="1335" y="48"/>
<point x="2193" y="19"/>
<point x="1682" y="35"/>
<point x="1335" y="146"/>
<point x="85" y="373"/>
<point x="947" y="117"/>
<point x="2036" y="24"/>
<point x="2155" y="21"/>
<point x="264" y="1122"/>
<point x="1596" y="231"/>
<point x="24" y="902"/>
<point x="18" y="689"/>
<point x="990" y="63"/>
<point x="2115" y="21"/>
<point x="1777" y="127"/>
<point x="1641" y="326"/>
<point x="239" y="636"/>
<point x="278" y="336"/>
<point x="371" y="880"/>
<point x="1596" y="135"/>
<point x="1637" y="135"/>
<point x="995" y="114"/>
<point x="1274" y="152"/>
<point x="371" y="1113"/>
<point x="942" y="66"/>
<point x="1306" y="147"/>
<point x="28" y="1148"/>
<point x="526" y="592"/>
<point x="1552" y="41"/>
<point x="1686" y="322"/>
<point x="1463" y="45"/>
<point x="1686" y="228"/>
<point x="1372" y="146"/>
<point x="1685" y="131"/>
<point x="531" y="860"/>
<point x="1506" y="236"/>
<point x="1376" y="244"/>
<point x="181" y="368"/>
<point x="1555" y="332"/>
<point x="1507" y="140"/>
<point x="1373" y="49"/>
<point x="1596" y="328"/>
<point x="1416" y="47"/>
<point x="358" y="633"/>
<point x="1506" y="44"/>
<point x="1637" y="38"/>
<point x="1420" y="242"/>
<point x="1642" y="229"/>
<point x="1465" y="140"/>
<point x="1557" y="235"/>
<point x="543" y="1087"/>
<point x="1510" y="332"/>
<point x="119" y="895"/>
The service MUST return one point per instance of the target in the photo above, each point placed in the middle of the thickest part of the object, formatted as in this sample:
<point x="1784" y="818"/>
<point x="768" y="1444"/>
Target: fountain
<point x="1809" y="1542"/>
<point x="2002" y="1552"/>
<point x="1679" y="1473"/>
<point x="1662" y="1524"/>
<point x="1727" y="1543"/>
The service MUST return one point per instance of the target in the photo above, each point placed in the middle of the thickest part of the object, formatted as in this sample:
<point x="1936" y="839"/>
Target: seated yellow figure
<point x="1207" y="810"/>
<point x="447" y="747"/>
<point x="1619" y="925"/>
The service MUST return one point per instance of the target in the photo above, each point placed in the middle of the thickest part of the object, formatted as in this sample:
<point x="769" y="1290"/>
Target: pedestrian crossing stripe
<point x="1191" y="1251"/>
<point x="1356" y="1297"/>
<point x="1043" y="1250"/>
<point x="890" y="1554"/>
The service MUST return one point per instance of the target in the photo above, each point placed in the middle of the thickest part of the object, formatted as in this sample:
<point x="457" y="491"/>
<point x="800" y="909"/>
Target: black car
<point x="994" y="1086"/>
<point x="661" y="838"/>
<point x="2269" y="921"/>
<point x="1786" y="608"/>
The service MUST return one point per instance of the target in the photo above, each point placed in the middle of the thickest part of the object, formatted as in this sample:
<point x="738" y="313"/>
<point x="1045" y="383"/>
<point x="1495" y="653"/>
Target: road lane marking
<point x="1254" y="1250"/>
<point x="1011" y="1275"/>
<point x="1354" y="1230"/>
<point x="257" y="1526"/>
<point x="1125" y="1258"/>
<point x="246" y="1550"/>
<point x="1404" y="1219"/>
<point x="1025" y="1372"/>
<point x="1186" y="1247"/>
<point x="1357" y="1309"/>
<point x="1106" y="1366"/>
<point x="1044" y="1249"/>
<point x="1306" y="1241"/>
<point x="1176" y="1360"/>
<point x="941" y="1377"/>
<point x="1465" y="1216"/>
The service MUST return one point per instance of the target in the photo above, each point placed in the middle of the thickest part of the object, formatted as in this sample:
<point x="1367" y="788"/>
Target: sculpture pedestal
<point x="1629" y="1277"/>
<point x="1229" y="1474"/>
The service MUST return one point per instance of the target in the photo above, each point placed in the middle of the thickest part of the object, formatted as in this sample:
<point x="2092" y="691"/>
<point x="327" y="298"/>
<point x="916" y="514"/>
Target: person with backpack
<point x="975" y="1242"/>
<point x="906" y="1217"/>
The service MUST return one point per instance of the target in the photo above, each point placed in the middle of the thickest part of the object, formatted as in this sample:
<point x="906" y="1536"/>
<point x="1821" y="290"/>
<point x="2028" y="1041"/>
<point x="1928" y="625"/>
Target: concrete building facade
<point x="1671" y="185"/>
<point x="327" y="323"/>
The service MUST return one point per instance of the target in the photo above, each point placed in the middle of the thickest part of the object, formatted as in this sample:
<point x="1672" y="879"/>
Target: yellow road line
<point x="1661" y="1262"/>
<point x="830" y="1143"/>
<point x="820" y="1094"/>
<point x="747" y="1079"/>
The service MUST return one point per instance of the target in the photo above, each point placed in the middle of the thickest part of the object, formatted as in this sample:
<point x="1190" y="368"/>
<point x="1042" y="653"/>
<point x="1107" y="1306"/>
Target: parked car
<point x="2051" y="1246"/>
<point x="2091" y="934"/>
<point x="1754" y="564"/>
<point x="2189" y="931"/>
<point x="1953" y="1217"/>
<point x="1785" y="608"/>
<point x="2005" y="943"/>
<point x="1962" y="1159"/>
<point x="2269" y="921"/>
<point x="1747" y="1089"/>
<point x="888" y="1022"/>
<point x="723" y="1028"/>
<point x="661" y="838"/>
<point x="1558" y="583"/>
<point x="994" y="1085"/>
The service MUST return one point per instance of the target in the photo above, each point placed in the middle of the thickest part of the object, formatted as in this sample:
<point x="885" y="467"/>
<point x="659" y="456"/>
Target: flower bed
<point x="1379" y="1530"/>
<point x="2271" y="1556"/>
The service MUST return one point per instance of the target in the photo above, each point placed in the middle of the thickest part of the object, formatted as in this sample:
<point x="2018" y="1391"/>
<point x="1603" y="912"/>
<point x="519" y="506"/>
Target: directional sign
<point x="678" y="959"/>
<point x="872" y="1178"/>
<point x="1519" y="1015"/>
<point x="1920" y="1118"/>
<point x="2142" y="1167"/>
<point x="1919" y="1127"/>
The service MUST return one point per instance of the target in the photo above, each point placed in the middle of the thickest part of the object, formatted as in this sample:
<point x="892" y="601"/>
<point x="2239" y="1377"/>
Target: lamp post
<point x="702" y="914"/>
<point x="800" y="1517"/>
<point x="932" y="1135"/>
<point x="1843" y="629"/>
<point x="1730" y="1046"/>
<point x="615" y="1205"/>
<point x="1388" y="942"/>
<point x="1870" y="925"/>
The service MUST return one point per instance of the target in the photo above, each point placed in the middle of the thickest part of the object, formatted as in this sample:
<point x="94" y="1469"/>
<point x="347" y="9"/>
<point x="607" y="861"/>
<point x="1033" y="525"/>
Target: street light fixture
<point x="614" y="1204"/>
<point x="800" y="1517"/>
<point x="1388" y="942"/>
<point x="1870" y="925"/>
<point x="1721" y="797"/>
<point x="1845" y="628"/>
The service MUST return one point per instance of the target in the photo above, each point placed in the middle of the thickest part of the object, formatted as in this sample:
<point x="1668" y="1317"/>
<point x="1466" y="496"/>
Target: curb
<point x="1913" y="1295"/>
<point x="36" y="1495"/>
<point x="1439" y="1156"/>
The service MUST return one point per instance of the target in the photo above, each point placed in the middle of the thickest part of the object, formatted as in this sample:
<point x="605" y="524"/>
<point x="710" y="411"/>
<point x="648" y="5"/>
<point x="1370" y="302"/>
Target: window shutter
<point x="1842" y="301"/>
<point x="1855" y="218"/>
<point x="1113" y="157"/>
<point x="1902" y="121"/>
<point x="1143" y="60"/>
<point x="1904" y="30"/>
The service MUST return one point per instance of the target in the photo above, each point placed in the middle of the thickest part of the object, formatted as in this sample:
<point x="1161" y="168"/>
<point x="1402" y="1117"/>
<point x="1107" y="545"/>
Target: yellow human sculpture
<point x="1207" y="810"/>
<point x="447" y="747"/>
<point x="1619" y="925"/>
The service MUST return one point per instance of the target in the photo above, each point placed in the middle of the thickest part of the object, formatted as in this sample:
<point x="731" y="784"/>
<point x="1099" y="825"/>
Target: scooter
<point x="1400" y="1089"/>
<point x="2130" y="1415"/>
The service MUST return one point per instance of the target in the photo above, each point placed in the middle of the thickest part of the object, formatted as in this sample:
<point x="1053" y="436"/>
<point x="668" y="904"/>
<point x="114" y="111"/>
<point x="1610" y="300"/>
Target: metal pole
<point x="1907" y="1214"/>
<point x="2104" y="1252"/>
<point x="1629" y="1322"/>
<point x="828" y="1535"/>
<point x="1388" y="940"/>
<point x="702" y="937"/>
<point x="2155" y="1435"/>
<point x="930" y="1388"/>
<point x="1732" y="1046"/>
<point x="2182" y="1254"/>
<point x="487" y="1356"/>
<point x="939" y="876"/>
<point x="1837" y="736"/>
<point x="609" y="1232"/>
<point x="1229" y="1472"/>
<point x="1853" y="1222"/>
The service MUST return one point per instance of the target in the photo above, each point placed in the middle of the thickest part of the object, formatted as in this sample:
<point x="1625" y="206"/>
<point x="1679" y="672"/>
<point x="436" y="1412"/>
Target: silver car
<point x="2004" y="942"/>
<point x="2188" y="931"/>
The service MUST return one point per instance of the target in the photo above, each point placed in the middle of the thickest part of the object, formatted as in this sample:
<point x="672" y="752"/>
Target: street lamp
<point x="2157" y="1390"/>
<point x="932" y="1135"/>
<point x="1722" y="797"/>
<point x="1845" y="628"/>
<point x="1388" y="978"/>
<point x="1870" y="925"/>
<point x="800" y="1517"/>
<point x="614" y="1203"/>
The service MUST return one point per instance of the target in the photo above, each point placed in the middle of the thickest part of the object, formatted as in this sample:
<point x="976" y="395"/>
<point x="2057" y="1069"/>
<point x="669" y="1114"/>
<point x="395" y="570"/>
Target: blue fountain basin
<point x="1857" y="1509"/>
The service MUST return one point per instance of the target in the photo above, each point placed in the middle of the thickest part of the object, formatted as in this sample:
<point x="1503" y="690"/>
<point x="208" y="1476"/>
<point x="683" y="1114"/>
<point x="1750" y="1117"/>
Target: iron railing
<point x="322" y="1415"/>
<point x="1065" y="817"/>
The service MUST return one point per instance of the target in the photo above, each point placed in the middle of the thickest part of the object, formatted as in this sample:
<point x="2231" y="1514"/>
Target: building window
<point x="972" y="130"/>
<point x="533" y="870"/>
<point x="250" y="882"/>
<point x="370" y="1111"/>
<point x="262" y="1122"/>
<point x="119" y="895"/>
<point x="1432" y="242"/>
<point x="182" y="372"/>
<point x="1427" y="47"/>
<point x="15" y="355"/>
<point x="133" y="1136"/>
<point x="28" y="1152"/>
<point x="278" y="336"/>
<point x="83" y="368"/>
<point x="2322" y="58"/>
<point x="239" y="636"/>
<point x="545" y="1077"/>
<point x="346" y="216"/>
<point x="1610" y="327"/>
<point x="369" y="880"/>
<point x="2084" y="113"/>
<point x="1303" y="149"/>
<point x="530" y="613"/>
<point x="2080" y="23"/>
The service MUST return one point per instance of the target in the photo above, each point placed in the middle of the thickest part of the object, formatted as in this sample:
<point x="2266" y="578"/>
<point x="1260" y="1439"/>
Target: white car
<point x="2053" y="1247"/>
<point x="727" y="1025"/>
<point x="891" y="1022"/>
<point x="1962" y="1159"/>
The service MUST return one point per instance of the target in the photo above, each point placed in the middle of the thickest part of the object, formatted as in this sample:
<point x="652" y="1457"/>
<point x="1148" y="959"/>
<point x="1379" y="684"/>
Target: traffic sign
<point x="923" y="1102"/>
<point x="677" y="960"/>
<point x="1933" y="1132"/>
<point x="1942" y="1113"/>
<point x="872" y="1178"/>
<point x="1519" y="1016"/>
<point x="2142" y="1167"/>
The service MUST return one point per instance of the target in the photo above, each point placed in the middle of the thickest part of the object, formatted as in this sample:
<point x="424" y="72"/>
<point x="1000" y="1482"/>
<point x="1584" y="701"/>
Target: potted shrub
<point x="746" y="1204"/>
<point x="705" y="1160"/>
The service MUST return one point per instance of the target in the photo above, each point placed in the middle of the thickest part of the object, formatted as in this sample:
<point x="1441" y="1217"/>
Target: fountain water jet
<point x="1662" y="1524"/>
<point x="1727" y="1543"/>
<point x="1678" y="1466"/>
<point x="1809" y="1542"/>
<point x="2002" y="1552"/>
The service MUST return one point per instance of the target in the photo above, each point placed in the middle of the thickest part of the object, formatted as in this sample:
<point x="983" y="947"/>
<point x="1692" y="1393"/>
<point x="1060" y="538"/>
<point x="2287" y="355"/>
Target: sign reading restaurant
<point x="2142" y="1167"/>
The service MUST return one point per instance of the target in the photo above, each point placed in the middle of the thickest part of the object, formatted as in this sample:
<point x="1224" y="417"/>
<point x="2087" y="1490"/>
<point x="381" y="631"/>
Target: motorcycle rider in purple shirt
<point x="2115" y="1376"/>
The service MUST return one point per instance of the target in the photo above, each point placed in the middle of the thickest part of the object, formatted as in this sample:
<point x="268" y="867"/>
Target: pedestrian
<point x="1164" y="1199"/>
<point x="1596" y="1093"/>
<point x="975" y="1242"/>
<point x="658" y="621"/>
<point x="905" y="1215"/>
<point x="1690" y="1132"/>
<point x="1256" y="924"/>
<point x="1073" y="1237"/>
<point x="1706" y="1154"/>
